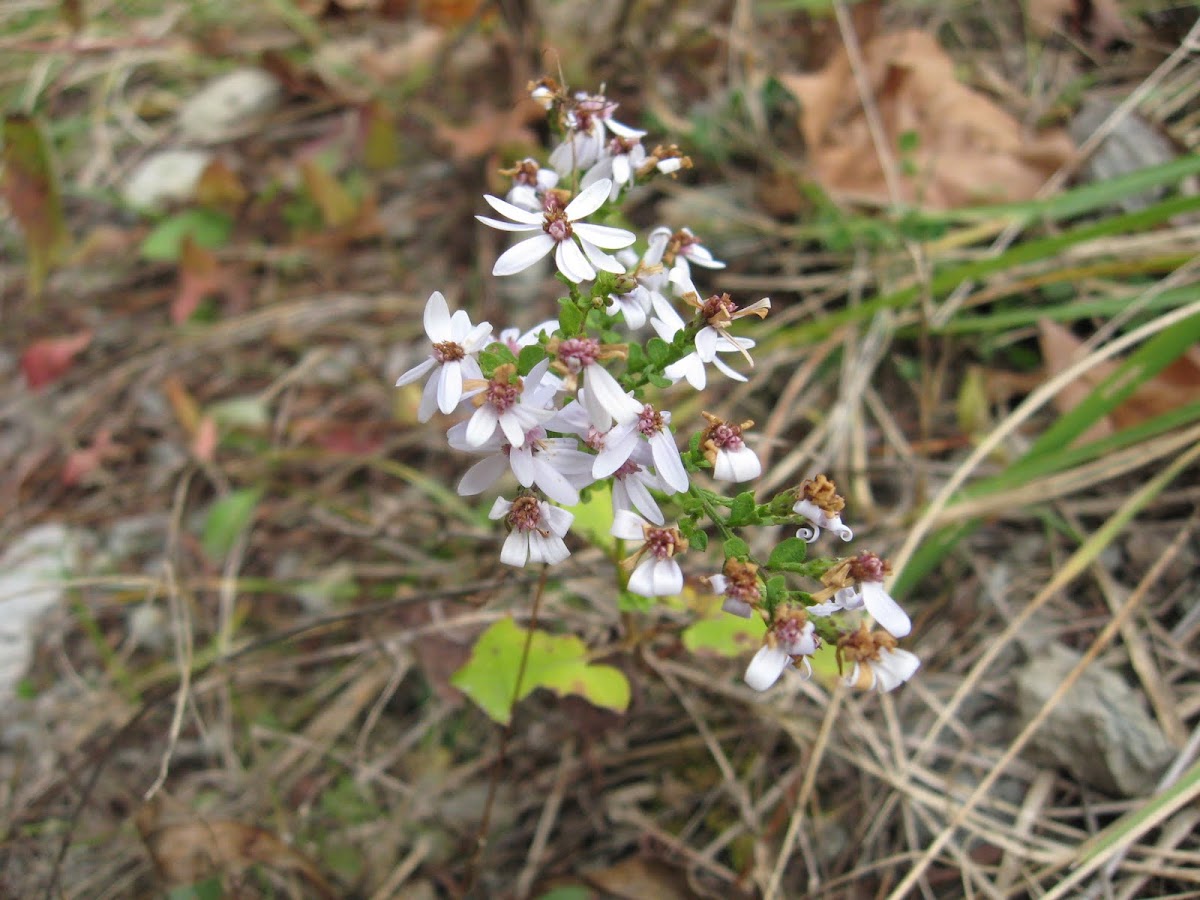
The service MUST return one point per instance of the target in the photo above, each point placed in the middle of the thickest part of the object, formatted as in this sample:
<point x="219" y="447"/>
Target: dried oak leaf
<point x="951" y="145"/>
<point x="491" y="129"/>
<point x="1173" y="387"/>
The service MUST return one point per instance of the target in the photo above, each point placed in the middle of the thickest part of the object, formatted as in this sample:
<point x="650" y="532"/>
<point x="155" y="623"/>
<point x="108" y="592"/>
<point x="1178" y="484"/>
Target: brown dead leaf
<point x="1098" y="22"/>
<point x="219" y="187"/>
<point x="187" y="851"/>
<point x="204" y="444"/>
<point x="201" y="275"/>
<point x="30" y="185"/>
<point x="951" y="145"/>
<point x="638" y="877"/>
<point x="1175" y="386"/>
<point x="49" y="359"/>
<point x="491" y="129"/>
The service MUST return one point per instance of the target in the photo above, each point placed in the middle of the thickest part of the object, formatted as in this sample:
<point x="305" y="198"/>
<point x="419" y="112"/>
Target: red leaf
<point x="204" y="445"/>
<point x="49" y="359"/>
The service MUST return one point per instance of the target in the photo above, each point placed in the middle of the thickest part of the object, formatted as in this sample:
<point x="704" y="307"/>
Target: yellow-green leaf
<point x="31" y="189"/>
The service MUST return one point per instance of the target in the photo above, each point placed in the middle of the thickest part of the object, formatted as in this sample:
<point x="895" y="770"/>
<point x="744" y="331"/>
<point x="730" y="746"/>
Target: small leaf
<point x="789" y="555"/>
<point x="31" y="188"/>
<point x="380" y="141"/>
<point x="742" y="511"/>
<point x="776" y="589"/>
<point x="637" y="358"/>
<point x="725" y="635"/>
<point x="736" y="548"/>
<point x="699" y="540"/>
<point x="49" y="359"/>
<point x="227" y="519"/>
<point x="555" y="662"/>
<point x="206" y="227"/>
<point x="659" y="381"/>
<point x="570" y="317"/>
<point x="337" y="207"/>
<point x="530" y="357"/>
<point x="659" y="351"/>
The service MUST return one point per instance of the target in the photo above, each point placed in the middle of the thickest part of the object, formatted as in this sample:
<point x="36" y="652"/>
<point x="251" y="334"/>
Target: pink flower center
<point x="558" y="227"/>
<point x="594" y="438"/>
<point x="502" y="395"/>
<point x="525" y="514"/>
<point x="629" y="467"/>
<point x="718" y="306"/>
<point x="448" y="351"/>
<point x="790" y="629"/>
<point x="662" y="542"/>
<point x="868" y="567"/>
<point x="726" y="436"/>
<point x="575" y="353"/>
<point x="649" y="422"/>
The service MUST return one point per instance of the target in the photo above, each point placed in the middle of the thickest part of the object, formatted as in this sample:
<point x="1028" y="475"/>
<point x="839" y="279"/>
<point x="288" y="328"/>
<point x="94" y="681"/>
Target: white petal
<point x="557" y="519"/>
<point x="641" y="580"/>
<point x="720" y="366"/>
<point x="449" y="386"/>
<point x="482" y="475"/>
<point x="766" y="667"/>
<point x="605" y="237"/>
<point x="589" y="200"/>
<point x="603" y="392"/>
<point x="510" y="424"/>
<point x="737" y="608"/>
<point x="416" y="372"/>
<point x="521" y="460"/>
<point x="621" y="130"/>
<point x="437" y="318"/>
<point x="481" y="425"/>
<point x="554" y="484"/>
<point x="667" y="462"/>
<point x="428" y="400"/>
<point x="520" y="257"/>
<point x="515" y="551"/>
<point x="506" y="226"/>
<point x="738" y="465"/>
<point x="627" y="526"/>
<point x="572" y="263"/>
<point x="691" y="368"/>
<point x="599" y="258"/>
<point x="884" y="609"/>
<point x="642" y="500"/>
<point x="621" y="170"/>
<point x="701" y="256"/>
<point x="618" y="446"/>
<point x="499" y="508"/>
<point x="900" y="665"/>
<point x="514" y="212"/>
<point x="667" y="577"/>
<point x="477" y="338"/>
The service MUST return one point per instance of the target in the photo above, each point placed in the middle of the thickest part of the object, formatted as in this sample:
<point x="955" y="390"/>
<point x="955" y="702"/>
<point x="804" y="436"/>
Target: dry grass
<point x="287" y="722"/>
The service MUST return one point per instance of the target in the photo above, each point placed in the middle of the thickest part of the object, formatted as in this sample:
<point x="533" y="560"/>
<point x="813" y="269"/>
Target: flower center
<point x="664" y="542"/>
<point x="719" y="307"/>
<point x="558" y="226"/>
<point x="649" y="421"/>
<point x="594" y="438"/>
<point x="629" y="467"/>
<point x="726" y="436"/>
<point x="448" y="351"/>
<point x="823" y="493"/>
<point x="741" y="581"/>
<point x="525" y="514"/>
<point x="868" y="567"/>
<point x="501" y="392"/>
<point x="790" y="627"/>
<point x="575" y="353"/>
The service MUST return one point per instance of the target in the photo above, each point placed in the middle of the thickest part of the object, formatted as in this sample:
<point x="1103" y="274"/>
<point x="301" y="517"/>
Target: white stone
<point x="32" y="571"/>
<point x="169" y="176"/>
<point x="230" y="106"/>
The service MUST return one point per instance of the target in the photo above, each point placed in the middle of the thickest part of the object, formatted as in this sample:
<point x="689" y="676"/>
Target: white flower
<point x="560" y="227"/>
<point x="656" y="572"/>
<point x="531" y="183"/>
<point x="506" y="403"/>
<point x="709" y="342"/>
<point x="630" y="490"/>
<point x="556" y="466"/>
<point x="682" y="250"/>
<point x="603" y="398"/>
<point x="619" y="164"/>
<point x="739" y="585"/>
<point x="537" y="530"/>
<point x="724" y="447"/>
<point x="867" y="571"/>
<point x="516" y="341"/>
<point x="455" y="344"/>
<point x="791" y="635"/>
<point x="633" y="305"/>
<point x="892" y="667"/>
<point x="622" y="440"/>
<point x="820" y="518"/>
<point x="587" y="118"/>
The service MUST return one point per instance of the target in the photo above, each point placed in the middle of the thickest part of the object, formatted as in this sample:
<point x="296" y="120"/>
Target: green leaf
<point x="658" y="380"/>
<point x="227" y="519"/>
<point x="208" y="228"/>
<point x="630" y="602"/>
<point x="776" y="589"/>
<point x="637" y="358"/>
<point x="594" y="517"/>
<point x="659" y="351"/>
<point x="530" y="357"/>
<point x="558" y="663"/>
<point x="208" y="889"/>
<point x="699" y="540"/>
<point x="30" y="185"/>
<point x="570" y="317"/>
<point x="742" y="511"/>
<point x="788" y="555"/>
<point x="736" y="548"/>
<point x="241" y="412"/>
<point x="725" y="635"/>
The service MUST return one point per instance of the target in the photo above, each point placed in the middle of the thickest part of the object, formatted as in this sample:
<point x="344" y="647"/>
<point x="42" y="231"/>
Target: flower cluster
<point x="577" y="402"/>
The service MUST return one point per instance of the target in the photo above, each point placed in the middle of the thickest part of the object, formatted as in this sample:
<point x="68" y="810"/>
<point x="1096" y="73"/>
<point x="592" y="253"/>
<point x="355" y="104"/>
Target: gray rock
<point x="1133" y="145"/>
<point x="230" y="106"/>
<point x="1100" y="732"/>
<point x="169" y="176"/>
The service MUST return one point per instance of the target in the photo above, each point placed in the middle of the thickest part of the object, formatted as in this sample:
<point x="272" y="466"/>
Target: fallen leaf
<point x="638" y="877"/>
<point x="951" y="145"/>
<point x="185" y="852"/>
<point x="83" y="462"/>
<point x="380" y="140"/>
<point x="200" y="276"/>
<point x="1175" y="386"/>
<point x="1098" y="22"/>
<point x="184" y="405"/>
<point x="219" y="187"/>
<point x="49" y="359"/>
<point x="204" y="445"/>
<point x="491" y="129"/>
<point x="337" y="207"/>
<point x="30" y="186"/>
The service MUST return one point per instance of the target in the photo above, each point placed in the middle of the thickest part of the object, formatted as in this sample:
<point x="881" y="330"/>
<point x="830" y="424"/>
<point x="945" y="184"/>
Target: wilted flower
<point x="724" y="448"/>
<point x="790" y="638"/>
<point x="455" y="344"/>
<point x="878" y="663"/>
<point x="536" y="530"/>
<point x="656" y="572"/>
<point x="819" y="502"/>
<point x="739" y="586"/>
<point x="682" y="250"/>
<point x="586" y="118"/>
<point x="857" y="583"/>
<point x="709" y="342"/>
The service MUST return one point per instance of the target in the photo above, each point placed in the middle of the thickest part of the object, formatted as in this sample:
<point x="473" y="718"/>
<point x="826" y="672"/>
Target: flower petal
<point x="589" y="200"/>
<point x="437" y="318"/>
<point x="450" y="386"/>
<point x="428" y="400"/>
<point x="416" y="372"/>
<point x="604" y="236"/>
<point x="505" y="226"/>
<point x="521" y="256"/>
<point x="515" y="551"/>
<point x="627" y="526"/>
<point x="481" y="425"/>
<point x="572" y="263"/>
<point x="482" y="475"/>
<point x="667" y="462"/>
<point x="606" y="400"/>
<point x="884" y="609"/>
<point x="515" y="213"/>
<point x="766" y="667"/>
<point x="599" y="258"/>
<point x="557" y="519"/>
<point x="641" y="499"/>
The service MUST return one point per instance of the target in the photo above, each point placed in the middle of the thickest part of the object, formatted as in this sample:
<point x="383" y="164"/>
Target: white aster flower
<point x="682" y="250"/>
<point x="818" y="501"/>
<point x="561" y="227"/>
<point x="790" y="638"/>
<point x="619" y="163"/>
<point x="587" y="118"/>
<point x="603" y="397"/>
<point x="724" y="447"/>
<point x="536" y="530"/>
<point x="739" y="585"/>
<point x="631" y="487"/>
<point x="621" y="442"/>
<point x="516" y="341"/>
<point x="531" y="183"/>
<point x="556" y="466"/>
<point x="878" y="663"/>
<point x="709" y="342"/>
<point x="505" y="402"/>
<point x="455" y="344"/>
<point x="656" y="572"/>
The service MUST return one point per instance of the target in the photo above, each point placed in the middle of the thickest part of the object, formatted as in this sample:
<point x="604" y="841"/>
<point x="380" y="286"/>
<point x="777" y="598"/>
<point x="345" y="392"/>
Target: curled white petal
<point x="766" y="667"/>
